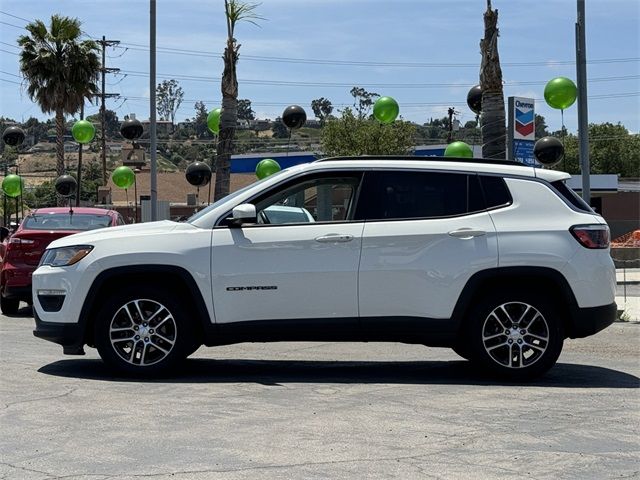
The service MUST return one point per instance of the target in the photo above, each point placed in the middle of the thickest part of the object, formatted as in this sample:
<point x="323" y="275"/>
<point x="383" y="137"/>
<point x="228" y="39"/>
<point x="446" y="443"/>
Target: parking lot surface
<point x="318" y="410"/>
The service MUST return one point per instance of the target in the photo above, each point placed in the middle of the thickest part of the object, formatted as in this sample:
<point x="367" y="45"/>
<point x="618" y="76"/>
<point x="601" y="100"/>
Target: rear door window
<point x="407" y="194"/>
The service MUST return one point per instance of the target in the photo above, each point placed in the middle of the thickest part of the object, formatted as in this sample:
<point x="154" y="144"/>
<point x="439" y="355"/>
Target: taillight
<point x="17" y="246"/>
<point x="20" y="241"/>
<point x="591" y="236"/>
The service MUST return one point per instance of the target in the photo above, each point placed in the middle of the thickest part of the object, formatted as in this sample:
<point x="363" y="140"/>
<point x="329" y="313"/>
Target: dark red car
<point x="20" y="252"/>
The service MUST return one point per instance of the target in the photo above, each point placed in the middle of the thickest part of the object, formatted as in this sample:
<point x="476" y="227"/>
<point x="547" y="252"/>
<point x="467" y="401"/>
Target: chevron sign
<point x="524" y="115"/>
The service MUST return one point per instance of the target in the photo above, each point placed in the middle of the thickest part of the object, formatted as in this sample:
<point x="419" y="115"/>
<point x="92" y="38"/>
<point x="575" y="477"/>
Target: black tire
<point x="150" y="352"/>
<point x="517" y="351"/>
<point x="462" y="350"/>
<point x="9" y="306"/>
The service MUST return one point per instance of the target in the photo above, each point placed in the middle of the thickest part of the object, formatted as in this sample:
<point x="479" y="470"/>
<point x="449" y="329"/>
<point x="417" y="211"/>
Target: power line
<point x="200" y="53"/>
<point x="15" y="16"/>
<point x="288" y="83"/>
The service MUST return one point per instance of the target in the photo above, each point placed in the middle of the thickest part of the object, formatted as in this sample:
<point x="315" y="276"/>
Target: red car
<point x="20" y="253"/>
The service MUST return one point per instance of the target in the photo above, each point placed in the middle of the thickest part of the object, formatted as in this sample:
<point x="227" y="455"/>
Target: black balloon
<point x="131" y="129"/>
<point x="198" y="174"/>
<point x="13" y="136"/>
<point x="548" y="151"/>
<point x="474" y="99"/>
<point x="294" y="116"/>
<point x="66" y="185"/>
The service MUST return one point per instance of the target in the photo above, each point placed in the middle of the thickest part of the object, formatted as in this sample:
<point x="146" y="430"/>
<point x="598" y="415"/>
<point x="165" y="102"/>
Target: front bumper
<point x="69" y="335"/>
<point x="589" y="321"/>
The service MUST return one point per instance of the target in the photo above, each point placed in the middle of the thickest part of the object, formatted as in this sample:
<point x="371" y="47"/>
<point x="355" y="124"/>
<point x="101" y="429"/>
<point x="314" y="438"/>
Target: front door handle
<point x="466" y="233"/>
<point x="334" y="237"/>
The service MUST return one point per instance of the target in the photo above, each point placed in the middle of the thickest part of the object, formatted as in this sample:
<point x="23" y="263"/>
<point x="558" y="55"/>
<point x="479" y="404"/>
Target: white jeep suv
<point x="499" y="261"/>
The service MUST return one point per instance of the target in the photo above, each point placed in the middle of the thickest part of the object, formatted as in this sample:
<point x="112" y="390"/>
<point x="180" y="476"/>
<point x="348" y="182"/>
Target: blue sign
<point x="523" y="152"/>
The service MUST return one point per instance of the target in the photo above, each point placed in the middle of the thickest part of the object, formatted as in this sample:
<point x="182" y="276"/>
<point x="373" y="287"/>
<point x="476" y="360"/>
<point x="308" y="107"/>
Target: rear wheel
<point x="9" y="306"/>
<point x="515" y="335"/>
<point x="143" y="332"/>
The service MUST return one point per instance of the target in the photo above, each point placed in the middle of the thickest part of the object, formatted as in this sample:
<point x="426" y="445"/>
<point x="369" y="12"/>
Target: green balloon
<point x="560" y="93"/>
<point x="267" y="167"/>
<point x="83" y="131"/>
<point x="123" y="177"/>
<point x="458" y="150"/>
<point x="386" y="109"/>
<point x="12" y="186"/>
<point x="213" y="120"/>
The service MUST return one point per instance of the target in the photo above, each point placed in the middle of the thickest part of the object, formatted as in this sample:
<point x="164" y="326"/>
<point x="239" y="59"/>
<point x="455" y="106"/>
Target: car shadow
<point x="274" y="372"/>
<point x="25" y="311"/>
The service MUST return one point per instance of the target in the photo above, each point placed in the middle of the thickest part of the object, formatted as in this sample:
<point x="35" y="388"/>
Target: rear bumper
<point x="589" y="321"/>
<point x="69" y="335"/>
<point x="22" y="292"/>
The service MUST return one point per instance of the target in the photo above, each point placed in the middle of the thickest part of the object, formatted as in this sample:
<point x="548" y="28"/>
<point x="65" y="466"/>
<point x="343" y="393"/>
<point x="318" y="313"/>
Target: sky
<point x="424" y="53"/>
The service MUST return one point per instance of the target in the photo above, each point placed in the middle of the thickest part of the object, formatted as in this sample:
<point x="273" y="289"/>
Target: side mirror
<point x="244" y="213"/>
<point x="4" y="233"/>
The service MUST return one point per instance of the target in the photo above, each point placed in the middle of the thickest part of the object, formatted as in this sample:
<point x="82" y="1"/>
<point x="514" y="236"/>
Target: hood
<point x="135" y="230"/>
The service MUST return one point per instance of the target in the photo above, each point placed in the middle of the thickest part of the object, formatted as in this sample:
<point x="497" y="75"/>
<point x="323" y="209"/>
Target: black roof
<point x="423" y="159"/>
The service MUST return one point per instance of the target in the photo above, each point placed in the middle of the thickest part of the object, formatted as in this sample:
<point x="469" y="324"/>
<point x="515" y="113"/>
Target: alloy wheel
<point x="515" y="335"/>
<point x="143" y="332"/>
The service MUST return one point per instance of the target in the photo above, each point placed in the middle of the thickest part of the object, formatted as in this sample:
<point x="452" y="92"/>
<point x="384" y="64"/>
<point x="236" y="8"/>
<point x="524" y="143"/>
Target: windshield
<point x="66" y="221"/>
<point x="231" y="196"/>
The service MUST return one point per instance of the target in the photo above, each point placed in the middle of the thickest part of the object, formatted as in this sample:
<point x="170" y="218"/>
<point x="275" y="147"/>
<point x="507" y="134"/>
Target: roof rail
<point x="422" y="158"/>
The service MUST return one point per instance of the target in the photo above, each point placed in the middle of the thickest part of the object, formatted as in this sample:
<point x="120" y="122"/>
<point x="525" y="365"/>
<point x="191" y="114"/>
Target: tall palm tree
<point x="60" y="70"/>
<point x="494" y="133"/>
<point x="235" y="11"/>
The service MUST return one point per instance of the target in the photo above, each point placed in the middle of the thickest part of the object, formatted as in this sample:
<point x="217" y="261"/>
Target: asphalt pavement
<point x="318" y="410"/>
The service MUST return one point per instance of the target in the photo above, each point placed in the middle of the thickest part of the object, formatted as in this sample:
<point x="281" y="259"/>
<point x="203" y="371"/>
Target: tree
<point x="245" y="112"/>
<point x="541" y="126"/>
<point x="611" y="150"/>
<point x="235" y="11"/>
<point x="111" y="123"/>
<point x="200" y="120"/>
<point x="351" y="135"/>
<point x="322" y="108"/>
<point x="494" y="132"/>
<point x="279" y="129"/>
<point x="169" y="95"/>
<point x="60" y="70"/>
<point x="362" y="101"/>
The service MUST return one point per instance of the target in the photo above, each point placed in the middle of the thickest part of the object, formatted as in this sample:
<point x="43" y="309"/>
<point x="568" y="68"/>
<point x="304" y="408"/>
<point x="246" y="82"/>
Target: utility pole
<point x="103" y="95"/>
<point x="79" y="189"/>
<point x="583" y="120"/>
<point x="451" y="112"/>
<point x="152" y="110"/>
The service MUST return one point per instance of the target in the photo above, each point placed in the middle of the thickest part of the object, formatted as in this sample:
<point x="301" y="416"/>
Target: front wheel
<point x="143" y="332"/>
<point x="515" y="335"/>
<point x="9" y="306"/>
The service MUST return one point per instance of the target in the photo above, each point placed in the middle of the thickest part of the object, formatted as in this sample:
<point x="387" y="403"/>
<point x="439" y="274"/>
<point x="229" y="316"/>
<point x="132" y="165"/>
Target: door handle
<point x="334" y="237"/>
<point x="466" y="233"/>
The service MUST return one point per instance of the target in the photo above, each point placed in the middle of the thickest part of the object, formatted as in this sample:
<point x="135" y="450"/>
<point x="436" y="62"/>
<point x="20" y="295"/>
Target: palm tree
<point x="494" y="132"/>
<point x="60" y="70"/>
<point x="235" y="11"/>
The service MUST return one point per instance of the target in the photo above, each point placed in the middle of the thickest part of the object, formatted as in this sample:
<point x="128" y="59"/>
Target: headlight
<point x="65" y="256"/>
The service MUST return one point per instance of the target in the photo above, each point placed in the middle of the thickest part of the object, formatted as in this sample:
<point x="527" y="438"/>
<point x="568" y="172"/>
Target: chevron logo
<point x="525" y="129"/>
<point x="524" y="117"/>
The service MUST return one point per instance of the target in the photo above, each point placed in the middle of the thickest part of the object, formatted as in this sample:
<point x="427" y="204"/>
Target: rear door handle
<point x="334" y="237"/>
<point x="466" y="233"/>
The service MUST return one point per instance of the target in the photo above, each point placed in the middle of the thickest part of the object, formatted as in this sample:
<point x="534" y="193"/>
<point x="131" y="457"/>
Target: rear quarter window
<point x="571" y="197"/>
